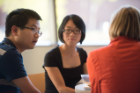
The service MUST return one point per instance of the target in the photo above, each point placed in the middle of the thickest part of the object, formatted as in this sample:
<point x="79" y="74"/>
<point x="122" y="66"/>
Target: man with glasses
<point x="22" y="32"/>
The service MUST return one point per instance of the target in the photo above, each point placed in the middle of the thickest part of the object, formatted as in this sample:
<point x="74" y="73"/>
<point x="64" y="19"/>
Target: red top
<point x="116" y="67"/>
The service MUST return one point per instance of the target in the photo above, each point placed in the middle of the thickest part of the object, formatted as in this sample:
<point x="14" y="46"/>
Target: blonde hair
<point x="126" y="23"/>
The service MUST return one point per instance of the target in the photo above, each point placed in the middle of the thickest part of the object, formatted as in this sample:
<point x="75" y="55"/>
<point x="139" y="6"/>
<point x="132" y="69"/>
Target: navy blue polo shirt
<point x="11" y="67"/>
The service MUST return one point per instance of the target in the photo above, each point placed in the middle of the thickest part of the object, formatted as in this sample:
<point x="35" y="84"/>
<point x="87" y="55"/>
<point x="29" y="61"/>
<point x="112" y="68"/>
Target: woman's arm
<point x="85" y="68"/>
<point x="58" y="80"/>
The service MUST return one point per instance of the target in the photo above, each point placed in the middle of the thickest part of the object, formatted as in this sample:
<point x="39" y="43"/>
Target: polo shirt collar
<point x="8" y="42"/>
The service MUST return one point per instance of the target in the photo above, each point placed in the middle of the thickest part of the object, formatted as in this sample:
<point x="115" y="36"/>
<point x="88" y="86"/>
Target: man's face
<point x="27" y="37"/>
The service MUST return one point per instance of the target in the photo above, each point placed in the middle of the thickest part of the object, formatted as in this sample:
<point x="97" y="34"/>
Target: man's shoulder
<point x="7" y="49"/>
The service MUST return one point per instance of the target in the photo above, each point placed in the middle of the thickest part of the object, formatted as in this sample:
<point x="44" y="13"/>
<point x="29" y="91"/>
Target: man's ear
<point x="14" y="30"/>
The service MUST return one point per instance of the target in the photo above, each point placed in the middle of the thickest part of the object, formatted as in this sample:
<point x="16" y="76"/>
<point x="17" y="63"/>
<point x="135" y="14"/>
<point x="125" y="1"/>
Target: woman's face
<point x="72" y="34"/>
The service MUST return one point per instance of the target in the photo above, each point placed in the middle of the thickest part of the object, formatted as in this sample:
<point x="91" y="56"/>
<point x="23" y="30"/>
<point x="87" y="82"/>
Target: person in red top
<point x="116" y="68"/>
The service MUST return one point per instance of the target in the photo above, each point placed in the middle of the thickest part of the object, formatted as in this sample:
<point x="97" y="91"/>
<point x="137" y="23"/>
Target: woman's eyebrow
<point x="70" y="27"/>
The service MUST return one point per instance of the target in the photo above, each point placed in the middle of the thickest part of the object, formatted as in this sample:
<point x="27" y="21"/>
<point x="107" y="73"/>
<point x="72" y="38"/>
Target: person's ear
<point x="14" y="30"/>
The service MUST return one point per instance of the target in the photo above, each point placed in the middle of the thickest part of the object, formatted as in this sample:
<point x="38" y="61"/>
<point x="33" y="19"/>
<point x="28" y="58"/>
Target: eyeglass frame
<point x="71" y="31"/>
<point x="34" y="30"/>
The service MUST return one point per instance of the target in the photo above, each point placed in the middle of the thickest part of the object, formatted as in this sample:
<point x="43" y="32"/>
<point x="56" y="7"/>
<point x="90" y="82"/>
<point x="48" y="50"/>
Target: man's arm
<point x="26" y="85"/>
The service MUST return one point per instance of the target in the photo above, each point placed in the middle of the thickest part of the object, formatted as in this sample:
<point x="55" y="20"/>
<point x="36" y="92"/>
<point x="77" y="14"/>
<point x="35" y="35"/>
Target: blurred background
<point x="95" y="13"/>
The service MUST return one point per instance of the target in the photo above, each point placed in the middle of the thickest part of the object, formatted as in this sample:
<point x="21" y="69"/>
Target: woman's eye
<point x="68" y="30"/>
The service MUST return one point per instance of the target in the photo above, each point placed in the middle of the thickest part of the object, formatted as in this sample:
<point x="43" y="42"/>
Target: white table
<point x="80" y="89"/>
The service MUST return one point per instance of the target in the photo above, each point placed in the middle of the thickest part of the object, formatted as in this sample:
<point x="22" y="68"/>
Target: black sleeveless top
<point x="70" y="75"/>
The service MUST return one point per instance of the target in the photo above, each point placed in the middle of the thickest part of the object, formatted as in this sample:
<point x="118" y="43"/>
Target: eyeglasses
<point x="34" y="30"/>
<point x="68" y="31"/>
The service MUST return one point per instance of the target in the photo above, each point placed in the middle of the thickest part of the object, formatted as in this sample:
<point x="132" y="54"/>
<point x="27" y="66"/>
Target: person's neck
<point x="20" y="50"/>
<point x="69" y="50"/>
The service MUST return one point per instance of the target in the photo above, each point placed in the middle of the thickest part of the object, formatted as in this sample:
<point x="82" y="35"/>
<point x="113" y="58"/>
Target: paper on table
<point x="86" y="86"/>
<point x="88" y="83"/>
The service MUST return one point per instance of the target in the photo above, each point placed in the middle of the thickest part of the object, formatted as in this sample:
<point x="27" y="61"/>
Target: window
<point x="45" y="10"/>
<point x="96" y="15"/>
